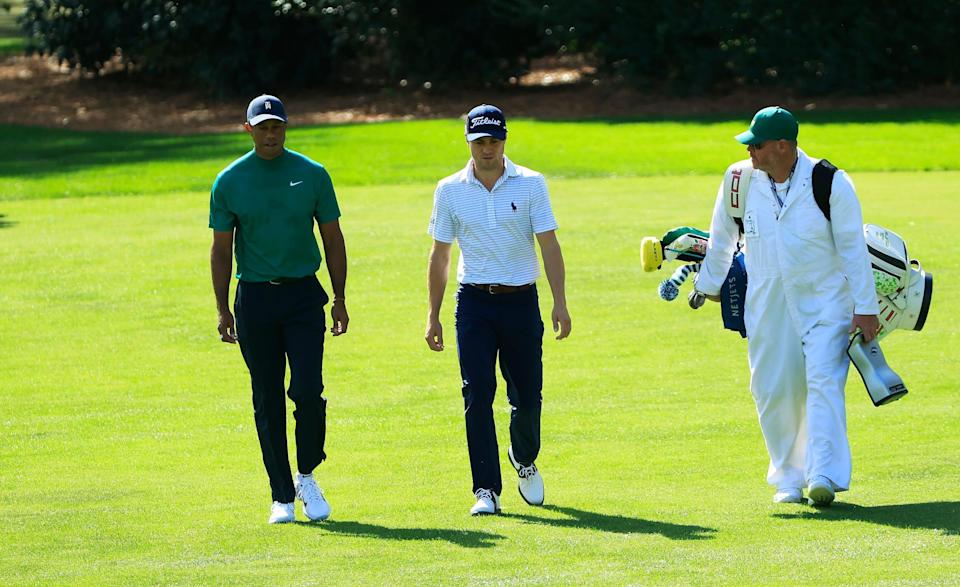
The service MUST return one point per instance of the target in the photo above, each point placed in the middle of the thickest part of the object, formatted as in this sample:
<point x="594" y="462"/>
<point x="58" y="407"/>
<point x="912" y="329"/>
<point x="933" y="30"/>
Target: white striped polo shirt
<point x="495" y="229"/>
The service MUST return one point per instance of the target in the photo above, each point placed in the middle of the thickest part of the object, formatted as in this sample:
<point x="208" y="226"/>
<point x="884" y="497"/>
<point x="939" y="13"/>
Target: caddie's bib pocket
<point x="750" y="225"/>
<point x="757" y="257"/>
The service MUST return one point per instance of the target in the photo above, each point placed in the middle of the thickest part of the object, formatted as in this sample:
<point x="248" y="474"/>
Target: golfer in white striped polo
<point x="495" y="210"/>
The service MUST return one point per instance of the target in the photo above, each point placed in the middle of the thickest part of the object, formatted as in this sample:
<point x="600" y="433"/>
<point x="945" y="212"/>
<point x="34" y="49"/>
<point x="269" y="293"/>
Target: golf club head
<point x="883" y="385"/>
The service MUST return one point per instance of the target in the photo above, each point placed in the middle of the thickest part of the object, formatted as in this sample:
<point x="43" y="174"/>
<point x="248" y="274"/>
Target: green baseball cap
<point x="772" y="123"/>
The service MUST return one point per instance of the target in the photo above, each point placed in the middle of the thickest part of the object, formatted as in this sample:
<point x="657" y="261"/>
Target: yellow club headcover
<point x="651" y="253"/>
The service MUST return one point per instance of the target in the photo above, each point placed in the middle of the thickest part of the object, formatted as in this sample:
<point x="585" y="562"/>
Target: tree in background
<point x="692" y="47"/>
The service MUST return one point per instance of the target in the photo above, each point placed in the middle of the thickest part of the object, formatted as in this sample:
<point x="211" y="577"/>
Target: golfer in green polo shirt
<point x="262" y="208"/>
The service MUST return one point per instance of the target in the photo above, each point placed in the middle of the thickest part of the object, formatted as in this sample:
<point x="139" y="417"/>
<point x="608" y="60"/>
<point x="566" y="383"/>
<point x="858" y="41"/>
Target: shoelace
<point x="309" y="490"/>
<point x="528" y="471"/>
<point x="484" y="494"/>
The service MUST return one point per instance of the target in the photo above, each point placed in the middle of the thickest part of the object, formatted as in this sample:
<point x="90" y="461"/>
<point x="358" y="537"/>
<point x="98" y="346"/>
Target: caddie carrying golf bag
<point x="904" y="289"/>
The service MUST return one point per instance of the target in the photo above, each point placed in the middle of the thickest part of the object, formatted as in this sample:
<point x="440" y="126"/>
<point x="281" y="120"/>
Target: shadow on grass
<point x="837" y="116"/>
<point x="465" y="538"/>
<point x="935" y="515"/>
<point x="51" y="151"/>
<point x="42" y="151"/>
<point x="616" y="524"/>
<point x="4" y="223"/>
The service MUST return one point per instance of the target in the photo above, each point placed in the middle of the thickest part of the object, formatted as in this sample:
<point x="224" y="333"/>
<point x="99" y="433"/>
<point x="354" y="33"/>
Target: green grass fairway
<point x="128" y="453"/>
<point x="59" y="163"/>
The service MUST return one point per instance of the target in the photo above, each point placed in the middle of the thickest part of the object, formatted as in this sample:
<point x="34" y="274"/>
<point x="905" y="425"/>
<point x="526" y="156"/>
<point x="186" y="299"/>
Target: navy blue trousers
<point x="507" y="325"/>
<point x="276" y="324"/>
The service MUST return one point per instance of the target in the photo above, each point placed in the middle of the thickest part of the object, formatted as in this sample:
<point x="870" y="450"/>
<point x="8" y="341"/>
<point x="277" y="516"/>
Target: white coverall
<point x="807" y="276"/>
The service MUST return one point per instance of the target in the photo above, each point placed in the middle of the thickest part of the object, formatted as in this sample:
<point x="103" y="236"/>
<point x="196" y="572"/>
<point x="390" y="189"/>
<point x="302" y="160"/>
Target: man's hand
<point x="227" y="327"/>
<point x="339" y="317"/>
<point x="561" y="321"/>
<point x="869" y="324"/>
<point x="434" y="334"/>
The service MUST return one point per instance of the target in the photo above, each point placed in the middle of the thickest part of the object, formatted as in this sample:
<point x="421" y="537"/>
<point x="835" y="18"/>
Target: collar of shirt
<point x="785" y="186"/>
<point x="509" y="170"/>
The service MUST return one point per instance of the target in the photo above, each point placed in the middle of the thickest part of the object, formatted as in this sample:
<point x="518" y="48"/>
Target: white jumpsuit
<point x="806" y="278"/>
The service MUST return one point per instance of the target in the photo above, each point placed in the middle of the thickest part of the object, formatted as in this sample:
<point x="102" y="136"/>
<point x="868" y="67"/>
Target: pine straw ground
<point x="36" y="91"/>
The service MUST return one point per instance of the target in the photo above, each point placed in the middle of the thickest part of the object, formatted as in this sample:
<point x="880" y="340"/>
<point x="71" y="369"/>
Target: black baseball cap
<point x="486" y="121"/>
<point x="265" y="107"/>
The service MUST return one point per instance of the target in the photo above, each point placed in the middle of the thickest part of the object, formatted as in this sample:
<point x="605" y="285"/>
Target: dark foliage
<point x="695" y="46"/>
<point x="815" y="46"/>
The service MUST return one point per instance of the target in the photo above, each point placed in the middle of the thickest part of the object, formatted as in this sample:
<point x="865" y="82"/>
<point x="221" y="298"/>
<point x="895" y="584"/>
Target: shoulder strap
<point x="823" y="173"/>
<point x="736" y="185"/>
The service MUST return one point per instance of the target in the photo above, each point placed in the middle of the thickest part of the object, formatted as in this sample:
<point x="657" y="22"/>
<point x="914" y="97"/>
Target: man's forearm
<point x="221" y="266"/>
<point x="335" y="252"/>
<point x="437" y="271"/>
<point x="556" y="274"/>
<point x="337" y="268"/>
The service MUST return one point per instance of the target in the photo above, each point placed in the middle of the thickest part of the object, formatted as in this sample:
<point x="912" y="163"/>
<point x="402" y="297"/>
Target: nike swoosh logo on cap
<point x="295" y="183"/>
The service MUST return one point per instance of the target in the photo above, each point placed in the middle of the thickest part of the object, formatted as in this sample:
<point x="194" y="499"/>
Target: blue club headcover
<point x="668" y="290"/>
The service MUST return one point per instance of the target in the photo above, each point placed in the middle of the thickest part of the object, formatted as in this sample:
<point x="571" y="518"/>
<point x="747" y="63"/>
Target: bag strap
<point x="736" y="185"/>
<point x="823" y="173"/>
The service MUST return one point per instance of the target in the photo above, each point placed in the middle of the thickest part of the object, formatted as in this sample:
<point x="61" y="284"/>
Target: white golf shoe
<point x="281" y="513"/>
<point x="530" y="483"/>
<point x="315" y="506"/>
<point x="788" y="495"/>
<point x="488" y="503"/>
<point x="821" y="491"/>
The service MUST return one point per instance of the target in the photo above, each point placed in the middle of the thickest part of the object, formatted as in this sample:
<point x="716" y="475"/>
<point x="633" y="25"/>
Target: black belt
<point x="496" y="288"/>
<point x="285" y="280"/>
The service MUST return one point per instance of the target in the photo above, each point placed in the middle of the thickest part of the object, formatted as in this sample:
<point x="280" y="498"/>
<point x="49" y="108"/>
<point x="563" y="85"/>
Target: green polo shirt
<point x="272" y="205"/>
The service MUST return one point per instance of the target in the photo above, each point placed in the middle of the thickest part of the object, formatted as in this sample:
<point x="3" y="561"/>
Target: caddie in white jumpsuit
<point x="809" y="285"/>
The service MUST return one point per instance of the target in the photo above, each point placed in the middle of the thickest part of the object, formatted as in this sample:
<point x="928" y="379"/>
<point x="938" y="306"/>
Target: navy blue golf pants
<point x="507" y="325"/>
<point x="276" y="324"/>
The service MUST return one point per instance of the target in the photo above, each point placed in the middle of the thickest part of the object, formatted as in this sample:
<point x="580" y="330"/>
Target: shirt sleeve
<point x="541" y="213"/>
<point x="443" y="225"/>
<point x="327" y="209"/>
<point x="846" y="222"/>
<point x="724" y="236"/>
<point x="221" y="218"/>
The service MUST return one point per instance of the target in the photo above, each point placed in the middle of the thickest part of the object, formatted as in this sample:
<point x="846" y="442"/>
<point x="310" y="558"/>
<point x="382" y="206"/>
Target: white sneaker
<point x="820" y="491"/>
<point x="488" y="502"/>
<point x="281" y="513"/>
<point x="315" y="506"/>
<point x="788" y="495"/>
<point x="530" y="482"/>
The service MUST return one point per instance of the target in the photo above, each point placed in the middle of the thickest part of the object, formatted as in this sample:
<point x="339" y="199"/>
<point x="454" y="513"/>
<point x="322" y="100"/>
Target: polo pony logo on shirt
<point x="514" y="206"/>
<point x="295" y="183"/>
<point x="484" y="120"/>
